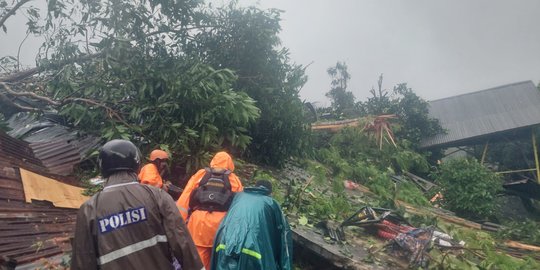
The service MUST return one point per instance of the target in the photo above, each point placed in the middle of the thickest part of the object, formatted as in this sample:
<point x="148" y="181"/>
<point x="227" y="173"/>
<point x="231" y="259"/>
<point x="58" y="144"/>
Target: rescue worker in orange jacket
<point x="152" y="172"/>
<point x="203" y="224"/>
<point x="128" y="225"/>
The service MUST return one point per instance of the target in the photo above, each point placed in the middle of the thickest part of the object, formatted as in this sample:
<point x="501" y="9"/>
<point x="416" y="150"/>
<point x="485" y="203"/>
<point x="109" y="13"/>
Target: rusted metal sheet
<point x="28" y="231"/>
<point x="16" y="150"/>
<point x="57" y="147"/>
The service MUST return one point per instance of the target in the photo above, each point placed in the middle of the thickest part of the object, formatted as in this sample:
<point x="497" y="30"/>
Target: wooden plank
<point x="518" y="245"/>
<point x="43" y="188"/>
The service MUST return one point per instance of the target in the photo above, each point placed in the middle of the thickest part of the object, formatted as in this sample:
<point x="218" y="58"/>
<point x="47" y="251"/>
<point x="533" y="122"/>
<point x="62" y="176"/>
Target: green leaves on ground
<point x="303" y="220"/>
<point x="524" y="231"/>
<point x="468" y="188"/>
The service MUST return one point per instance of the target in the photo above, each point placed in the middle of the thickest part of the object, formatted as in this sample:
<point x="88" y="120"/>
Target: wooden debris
<point x="518" y="245"/>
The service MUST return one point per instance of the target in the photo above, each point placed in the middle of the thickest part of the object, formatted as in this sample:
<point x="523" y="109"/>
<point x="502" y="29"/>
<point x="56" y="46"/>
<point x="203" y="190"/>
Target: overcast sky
<point x="440" y="48"/>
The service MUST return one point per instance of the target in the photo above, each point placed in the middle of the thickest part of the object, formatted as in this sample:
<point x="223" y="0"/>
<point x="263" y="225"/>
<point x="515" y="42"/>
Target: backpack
<point x="214" y="192"/>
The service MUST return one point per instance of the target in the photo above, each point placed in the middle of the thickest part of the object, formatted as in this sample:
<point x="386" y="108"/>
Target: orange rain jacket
<point x="149" y="175"/>
<point x="202" y="224"/>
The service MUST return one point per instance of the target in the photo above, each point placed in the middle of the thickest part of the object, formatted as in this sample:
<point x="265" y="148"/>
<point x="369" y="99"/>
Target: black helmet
<point x="119" y="155"/>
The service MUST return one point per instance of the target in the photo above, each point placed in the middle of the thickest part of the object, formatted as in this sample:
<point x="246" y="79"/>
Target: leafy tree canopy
<point x="121" y="69"/>
<point x="246" y="41"/>
<point x="342" y="100"/>
<point x="412" y="112"/>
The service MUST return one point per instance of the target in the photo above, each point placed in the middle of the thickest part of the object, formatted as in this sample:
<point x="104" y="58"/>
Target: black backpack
<point x="214" y="192"/>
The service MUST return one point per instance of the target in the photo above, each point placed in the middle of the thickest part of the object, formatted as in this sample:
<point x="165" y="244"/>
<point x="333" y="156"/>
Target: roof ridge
<point x="484" y="90"/>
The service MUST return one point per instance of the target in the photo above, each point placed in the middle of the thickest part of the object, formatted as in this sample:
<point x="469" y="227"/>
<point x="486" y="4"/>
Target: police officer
<point x="128" y="225"/>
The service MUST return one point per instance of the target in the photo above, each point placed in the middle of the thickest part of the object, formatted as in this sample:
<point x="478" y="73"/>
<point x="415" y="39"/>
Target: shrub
<point x="469" y="188"/>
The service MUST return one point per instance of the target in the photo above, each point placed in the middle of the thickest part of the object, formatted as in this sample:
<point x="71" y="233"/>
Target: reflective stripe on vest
<point x="119" y="253"/>
<point x="182" y="209"/>
<point x="246" y="251"/>
<point x="120" y="185"/>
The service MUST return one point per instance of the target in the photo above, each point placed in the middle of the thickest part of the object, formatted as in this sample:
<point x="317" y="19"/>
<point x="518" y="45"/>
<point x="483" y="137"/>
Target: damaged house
<point x="38" y="198"/>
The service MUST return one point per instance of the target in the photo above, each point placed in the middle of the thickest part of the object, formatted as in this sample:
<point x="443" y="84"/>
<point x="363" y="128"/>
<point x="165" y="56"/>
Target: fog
<point x="440" y="48"/>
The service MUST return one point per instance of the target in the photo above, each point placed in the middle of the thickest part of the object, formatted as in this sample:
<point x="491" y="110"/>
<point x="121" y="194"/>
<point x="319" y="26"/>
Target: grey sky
<point x="440" y="48"/>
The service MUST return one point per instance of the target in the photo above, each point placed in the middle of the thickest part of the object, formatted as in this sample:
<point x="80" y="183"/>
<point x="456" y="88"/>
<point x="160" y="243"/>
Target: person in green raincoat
<point x="254" y="234"/>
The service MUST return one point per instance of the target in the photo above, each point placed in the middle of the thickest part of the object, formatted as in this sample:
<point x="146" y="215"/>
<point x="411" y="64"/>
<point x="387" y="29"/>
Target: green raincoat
<point x="254" y="234"/>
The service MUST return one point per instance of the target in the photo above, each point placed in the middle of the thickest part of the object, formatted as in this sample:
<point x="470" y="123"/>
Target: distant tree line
<point x="412" y="111"/>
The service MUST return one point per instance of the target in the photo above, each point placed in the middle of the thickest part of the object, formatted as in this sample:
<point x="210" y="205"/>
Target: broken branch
<point x="12" y="12"/>
<point x="30" y="72"/>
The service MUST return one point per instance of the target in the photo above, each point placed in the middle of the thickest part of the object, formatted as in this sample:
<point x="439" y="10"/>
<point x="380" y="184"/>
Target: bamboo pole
<point x="518" y="245"/>
<point x="484" y="153"/>
<point x="535" y="150"/>
<point x="515" y="171"/>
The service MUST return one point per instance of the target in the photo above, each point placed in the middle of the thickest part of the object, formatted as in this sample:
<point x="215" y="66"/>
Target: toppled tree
<point x="119" y="69"/>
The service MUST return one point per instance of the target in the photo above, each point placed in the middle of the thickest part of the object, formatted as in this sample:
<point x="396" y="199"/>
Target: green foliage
<point x="334" y="206"/>
<point x="481" y="252"/>
<point x="342" y="100"/>
<point x="379" y="102"/>
<point x="468" y="187"/>
<point x="317" y="171"/>
<point x="524" y="231"/>
<point x="383" y="186"/>
<point x="351" y="152"/>
<point x="246" y="41"/>
<point x="407" y="160"/>
<point x="364" y="170"/>
<point x="412" y="111"/>
<point x="352" y="142"/>
<point x="189" y="107"/>
<point x="413" y="116"/>
<point x="278" y="192"/>
<point x="90" y="190"/>
<point x="332" y="159"/>
<point x="410" y="193"/>
<point x="388" y="191"/>
<point x="351" y="155"/>
<point x="135" y="78"/>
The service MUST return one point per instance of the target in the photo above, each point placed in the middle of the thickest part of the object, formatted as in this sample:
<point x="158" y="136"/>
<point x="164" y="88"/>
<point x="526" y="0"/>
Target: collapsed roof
<point x="40" y="229"/>
<point x="58" y="147"/>
<point x="28" y="231"/>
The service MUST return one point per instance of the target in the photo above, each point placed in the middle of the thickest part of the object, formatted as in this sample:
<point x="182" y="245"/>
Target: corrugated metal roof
<point x="28" y="232"/>
<point x="59" y="148"/>
<point x="18" y="152"/>
<point x="474" y="115"/>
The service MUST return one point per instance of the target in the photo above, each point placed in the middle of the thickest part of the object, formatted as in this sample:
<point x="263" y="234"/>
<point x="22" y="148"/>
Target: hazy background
<point x="440" y="48"/>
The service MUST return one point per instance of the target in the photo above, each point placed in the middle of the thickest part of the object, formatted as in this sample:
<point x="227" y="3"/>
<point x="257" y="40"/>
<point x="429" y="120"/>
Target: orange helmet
<point x="158" y="154"/>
